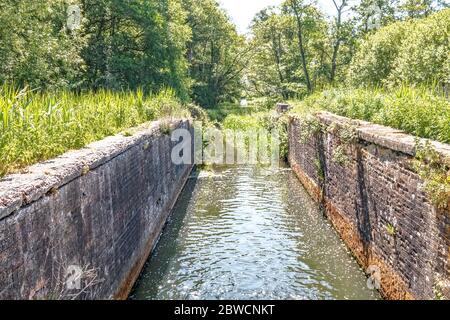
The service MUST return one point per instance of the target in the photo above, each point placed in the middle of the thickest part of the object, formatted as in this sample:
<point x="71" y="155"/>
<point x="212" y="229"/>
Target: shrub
<point x="425" y="53"/>
<point x="415" y="51"/>
<point x="376" y="56"/>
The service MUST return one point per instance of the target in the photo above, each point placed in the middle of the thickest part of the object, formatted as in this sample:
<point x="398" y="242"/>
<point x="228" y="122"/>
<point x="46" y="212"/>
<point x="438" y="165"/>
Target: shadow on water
<point x="249" y="233"/>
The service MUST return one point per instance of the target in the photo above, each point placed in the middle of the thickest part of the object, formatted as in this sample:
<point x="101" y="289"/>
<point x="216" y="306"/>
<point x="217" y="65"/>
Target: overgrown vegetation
<point x="79" y="83"/>
<point x="347" y="136"/>
<point x="299" y="50"/>
<point x="433" y="170"/>
<point x="40" y="125"/>
<point x="253" y="118"/>
<point x="309" y="127"/>
<point x="420" y="111"/>
<point x="391" y="229"/>
<point x="188" y="45"/>
<point x="412" y="52"/>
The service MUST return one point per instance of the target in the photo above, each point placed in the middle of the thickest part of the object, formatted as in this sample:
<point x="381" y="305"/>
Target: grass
<point x="221" y="112"/>
<point x="419" y="111"/>
<point x="256" y="120"/>
<point x="36" y="126"/>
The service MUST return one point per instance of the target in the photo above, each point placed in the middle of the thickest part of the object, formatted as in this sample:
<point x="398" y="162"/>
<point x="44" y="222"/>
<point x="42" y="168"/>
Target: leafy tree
<point x="302" y="12"/>
<point x="341" y="33"/>
<point x="373" y="14"/>
<point x="136" y="44"/>
<point x="272" y="71"/>
<point x="414" y="51"/>
<point x="35" y="46"/>
<point x="297" y="50"/>
<point x="424" y="55"/>
<point x="217" y="55"/>
<point x="376" y="56"/>
<point x="416" y="8"/>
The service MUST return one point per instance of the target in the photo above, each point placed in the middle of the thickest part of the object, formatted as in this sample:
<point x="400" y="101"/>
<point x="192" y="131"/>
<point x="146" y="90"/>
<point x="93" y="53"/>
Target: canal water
<point x="249" y="233"/>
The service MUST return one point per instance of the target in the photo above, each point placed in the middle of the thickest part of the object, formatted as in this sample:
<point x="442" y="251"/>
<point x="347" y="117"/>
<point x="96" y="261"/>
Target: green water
<point x="249" y="233"/>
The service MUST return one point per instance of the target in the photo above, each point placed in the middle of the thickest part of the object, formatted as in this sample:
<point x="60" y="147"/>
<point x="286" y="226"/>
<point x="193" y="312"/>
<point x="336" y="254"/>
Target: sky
<point x="243" y="11"/>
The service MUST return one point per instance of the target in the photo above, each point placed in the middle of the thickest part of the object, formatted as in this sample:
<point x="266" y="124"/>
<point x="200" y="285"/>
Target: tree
<point x="414" y="51"/>
<point x="285" y="61"/>
<point x="416" y="8"/>
<point x="217" y="55"/>
<point x="136" y="44"/>
<point x="272" y="71"/>
<point x="424" y="54"/>
<point x="340" y="32"/>
<point x="35" y="46"/>
<point x="300" y="10"/>
<point x="373" y="14"/>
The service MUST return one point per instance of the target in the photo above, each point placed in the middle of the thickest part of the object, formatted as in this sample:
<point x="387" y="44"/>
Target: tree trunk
<point x="302" y="48"/>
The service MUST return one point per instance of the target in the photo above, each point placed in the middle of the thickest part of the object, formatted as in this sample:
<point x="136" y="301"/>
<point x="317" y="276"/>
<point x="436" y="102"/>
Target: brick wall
<point x="101" y="208"/>
<point x="374" y="189"/>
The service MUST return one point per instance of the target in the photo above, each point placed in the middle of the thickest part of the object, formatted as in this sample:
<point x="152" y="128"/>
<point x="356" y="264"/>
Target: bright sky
<point x="243" y="11"/>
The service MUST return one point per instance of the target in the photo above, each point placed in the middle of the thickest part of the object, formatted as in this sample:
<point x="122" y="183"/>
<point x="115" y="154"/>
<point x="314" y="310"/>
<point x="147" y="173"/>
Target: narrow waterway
<point x="249" y="233"/>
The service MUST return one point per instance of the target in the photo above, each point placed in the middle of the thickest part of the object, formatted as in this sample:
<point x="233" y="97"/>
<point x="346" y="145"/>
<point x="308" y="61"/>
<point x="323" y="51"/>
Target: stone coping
<point x="20" y="189"/>
<point x="387" y="137"/>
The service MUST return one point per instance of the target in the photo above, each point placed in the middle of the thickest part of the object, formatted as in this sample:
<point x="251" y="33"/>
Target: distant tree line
<point x="188" y="45"/>
<point x="192" y="47"/>
<point x="298" y="50"/>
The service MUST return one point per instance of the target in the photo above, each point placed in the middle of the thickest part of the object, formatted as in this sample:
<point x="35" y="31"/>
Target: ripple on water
<point x="249" y="233"/>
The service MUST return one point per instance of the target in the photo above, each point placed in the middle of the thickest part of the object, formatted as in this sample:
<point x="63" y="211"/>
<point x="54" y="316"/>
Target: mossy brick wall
<point x="374" y="190"/>
<point x="101" y="208"/>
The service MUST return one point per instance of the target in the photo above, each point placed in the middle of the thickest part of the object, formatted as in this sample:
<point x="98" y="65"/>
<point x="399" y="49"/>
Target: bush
<point x="376" y="56"/>
<point x="425" y="54"/>
<point x="413" y="51"/>
<point x="221" y="112"/>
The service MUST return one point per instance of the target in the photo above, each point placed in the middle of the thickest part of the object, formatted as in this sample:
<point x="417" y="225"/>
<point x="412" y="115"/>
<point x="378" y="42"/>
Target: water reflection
<point x="249" y="233"/>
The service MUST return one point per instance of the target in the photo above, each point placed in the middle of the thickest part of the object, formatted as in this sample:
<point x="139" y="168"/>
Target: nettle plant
<point x="435" y="173"/>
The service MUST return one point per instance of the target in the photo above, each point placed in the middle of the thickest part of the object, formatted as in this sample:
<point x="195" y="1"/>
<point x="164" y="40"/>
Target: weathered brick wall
<point x="101" y="208"/>
<point x="376" y="188"/>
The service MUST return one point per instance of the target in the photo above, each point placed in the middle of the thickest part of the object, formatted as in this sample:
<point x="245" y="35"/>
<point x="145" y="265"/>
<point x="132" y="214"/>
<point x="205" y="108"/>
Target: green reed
<point x="36" y="126"/>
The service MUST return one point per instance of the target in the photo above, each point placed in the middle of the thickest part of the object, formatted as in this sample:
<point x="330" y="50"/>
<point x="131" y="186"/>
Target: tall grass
<point x="254" y="122"/>
<point x="222" y="111"/>
<point x="420" y="111"/>
<point x="36" y="126"/>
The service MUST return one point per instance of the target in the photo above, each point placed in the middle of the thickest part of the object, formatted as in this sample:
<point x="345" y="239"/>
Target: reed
<point x="37" y="126"/>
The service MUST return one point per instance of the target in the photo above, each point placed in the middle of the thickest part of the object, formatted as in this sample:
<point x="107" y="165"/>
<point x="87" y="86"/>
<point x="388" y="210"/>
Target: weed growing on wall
<point x="309" y="127"/>
<point x="435" y="173"/>
<point x="347" y="135"/>
<point x="319" y="169"/>
<point x="340" y="156"/>
<point x="274" y="121"/>
<point x="391" y="230"/>
<point x="165" y="128"/>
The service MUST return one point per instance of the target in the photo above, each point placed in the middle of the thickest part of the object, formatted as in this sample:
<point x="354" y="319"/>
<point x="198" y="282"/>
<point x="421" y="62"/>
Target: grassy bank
<point x="35" y="126"/>
<point x="419" y="111"/>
